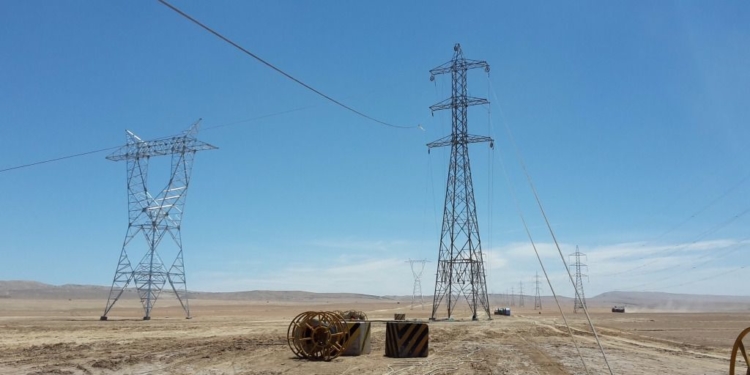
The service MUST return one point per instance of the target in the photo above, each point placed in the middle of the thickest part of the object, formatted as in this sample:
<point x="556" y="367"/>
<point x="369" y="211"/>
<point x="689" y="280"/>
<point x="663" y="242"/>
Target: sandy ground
<point x="243" y="337"/>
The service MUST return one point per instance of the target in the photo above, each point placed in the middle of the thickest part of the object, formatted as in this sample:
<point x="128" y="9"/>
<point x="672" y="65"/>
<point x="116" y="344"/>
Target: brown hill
<point x="35" y="290"/>
<point x="634" y="301"/>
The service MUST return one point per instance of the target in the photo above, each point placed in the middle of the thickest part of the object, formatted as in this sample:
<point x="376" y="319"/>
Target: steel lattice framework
<point x="538" y="296"/>
<point x="417" y="273"/>
<point x="460" y="268"/>
<point x="155" y="218"/>
<point x="580" y="299"/>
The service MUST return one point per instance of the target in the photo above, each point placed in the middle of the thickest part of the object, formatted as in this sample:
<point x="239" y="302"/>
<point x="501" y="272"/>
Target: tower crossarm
<point x="452" y="139"/>
<point x="159" y="147"/>
<point x="458" y="102"/>
<point x="458" y="63"/>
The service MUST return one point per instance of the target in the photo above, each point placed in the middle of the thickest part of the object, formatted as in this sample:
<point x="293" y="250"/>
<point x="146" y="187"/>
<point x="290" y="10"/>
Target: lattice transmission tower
<point x="460" y="268"/>
<point x="580" y="298"/>
<point x="520" y="294"/>
<point x="155" y="218"/>
<point x="538" y="295"/>
<point x="417" y="272"/>
<point x="512" y="296"/>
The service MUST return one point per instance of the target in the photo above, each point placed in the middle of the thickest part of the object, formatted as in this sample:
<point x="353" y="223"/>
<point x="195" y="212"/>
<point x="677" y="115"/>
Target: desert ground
<point x="46" y="335"/>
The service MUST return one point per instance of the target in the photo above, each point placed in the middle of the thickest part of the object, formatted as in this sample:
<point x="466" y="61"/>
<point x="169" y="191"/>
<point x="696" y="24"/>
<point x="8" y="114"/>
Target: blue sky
<point x="632" y="119"/>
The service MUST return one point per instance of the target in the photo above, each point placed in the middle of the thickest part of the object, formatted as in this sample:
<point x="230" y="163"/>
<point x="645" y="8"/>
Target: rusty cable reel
<point x="317" y="335"/>
<point x="739" y="345"/>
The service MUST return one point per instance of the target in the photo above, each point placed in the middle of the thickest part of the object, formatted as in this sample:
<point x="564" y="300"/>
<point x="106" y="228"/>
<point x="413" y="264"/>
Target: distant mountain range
<point x="633" y="301"/>
<point x="36" y="290"/>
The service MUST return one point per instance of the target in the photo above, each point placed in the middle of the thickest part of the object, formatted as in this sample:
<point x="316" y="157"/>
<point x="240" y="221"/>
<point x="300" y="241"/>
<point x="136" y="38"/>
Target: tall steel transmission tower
<point x="520" y="294"/>
<point x="580" y="298"/>
<point x="538" y="296"/>
<point x="155" y="218"/>
<point x="512" y="296"/>
<point x="460" y="268"/>
<point x="417" y="272"/>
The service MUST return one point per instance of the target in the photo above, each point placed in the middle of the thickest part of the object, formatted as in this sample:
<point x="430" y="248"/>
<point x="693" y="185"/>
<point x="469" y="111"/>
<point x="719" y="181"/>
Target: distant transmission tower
<point x="538" y="296"/>
<point x="460" y="268"/>
<point x="155" y="218"/>
<point x="417" y="272"/>
<point x="520" y="294"/>
<point x="580" y="299"/>
<point x="512" y="296"/>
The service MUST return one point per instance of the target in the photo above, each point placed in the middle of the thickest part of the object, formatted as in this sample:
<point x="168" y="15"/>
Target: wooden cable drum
<point x="740" y="346"/>
<point x="317" y="335"/>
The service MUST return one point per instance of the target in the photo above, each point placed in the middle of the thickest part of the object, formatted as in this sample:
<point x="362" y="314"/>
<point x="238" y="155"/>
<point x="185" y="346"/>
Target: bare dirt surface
<point x="60" y="336"/>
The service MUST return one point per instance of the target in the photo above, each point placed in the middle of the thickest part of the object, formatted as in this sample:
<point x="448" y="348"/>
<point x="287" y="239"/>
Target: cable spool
<point x="739" y="345"/>
<point x="399" y="316"/>
<point x="317" y="335"/>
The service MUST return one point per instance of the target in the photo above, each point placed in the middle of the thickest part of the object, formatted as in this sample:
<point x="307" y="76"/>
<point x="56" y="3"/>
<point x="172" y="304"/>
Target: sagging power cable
<point x="58" y="159"/>
<point x="692" y="216"/>
<point x="46" y="161"/>
<point x="285" y="74"/>
<point x="693" y="281"/>
<point x="674" y="249"/>
<point x="541" y="264"/>
<point x="552" y="233"/>
<point x="732" y="249"/>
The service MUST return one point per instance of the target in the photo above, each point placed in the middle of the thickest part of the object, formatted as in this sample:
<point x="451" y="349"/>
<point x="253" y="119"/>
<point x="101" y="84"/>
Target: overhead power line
<point x="116" y="147"/>
<point x="552" y="233"/>
<point x="692" y="216"/>
<point x="285" y="74"/>
<point x="671" y="250"/>
<point x="58" y="159"/>
<point x="246" y="52"/>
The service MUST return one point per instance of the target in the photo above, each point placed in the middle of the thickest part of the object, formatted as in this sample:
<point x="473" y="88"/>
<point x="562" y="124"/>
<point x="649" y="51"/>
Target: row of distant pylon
<point x="509" y="297"/>
<point x="579" y="298"/>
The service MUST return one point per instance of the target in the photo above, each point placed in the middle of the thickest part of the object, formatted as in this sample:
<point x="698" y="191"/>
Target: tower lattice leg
<point x="123" y="277"/>
<point x="178" y="282"/>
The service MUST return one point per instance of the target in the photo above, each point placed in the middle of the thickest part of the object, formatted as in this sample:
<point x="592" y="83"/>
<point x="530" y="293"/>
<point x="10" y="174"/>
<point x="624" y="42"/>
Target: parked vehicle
<point x="503" y="311"/>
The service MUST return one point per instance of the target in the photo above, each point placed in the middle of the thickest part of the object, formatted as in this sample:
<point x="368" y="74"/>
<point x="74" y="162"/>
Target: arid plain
<point x="56" y="330"/>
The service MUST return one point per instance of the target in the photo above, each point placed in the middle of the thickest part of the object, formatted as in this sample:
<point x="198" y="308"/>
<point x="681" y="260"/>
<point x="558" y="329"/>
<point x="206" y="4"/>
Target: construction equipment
<point x="618" y="309"/>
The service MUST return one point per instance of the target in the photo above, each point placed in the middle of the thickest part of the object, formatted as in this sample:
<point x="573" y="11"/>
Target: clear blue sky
<point x="632" y="118"/>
